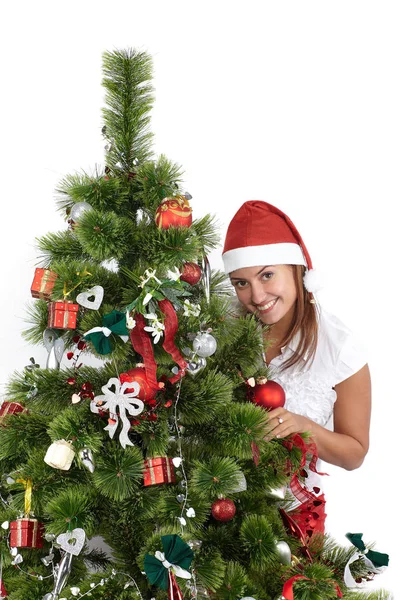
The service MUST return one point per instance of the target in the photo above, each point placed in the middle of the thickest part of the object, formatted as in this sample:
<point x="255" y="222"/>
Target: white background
<point x="292" y="102"/>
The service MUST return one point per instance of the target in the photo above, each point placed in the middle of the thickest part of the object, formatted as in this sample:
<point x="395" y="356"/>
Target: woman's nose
<point x="257" y="293"/>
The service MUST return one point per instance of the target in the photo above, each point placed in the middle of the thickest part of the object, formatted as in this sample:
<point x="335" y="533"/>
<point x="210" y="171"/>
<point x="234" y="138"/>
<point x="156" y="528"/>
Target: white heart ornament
<point x="75" y="398"/>
<point x="72" y="541"/>
<point x="84" y="297"/>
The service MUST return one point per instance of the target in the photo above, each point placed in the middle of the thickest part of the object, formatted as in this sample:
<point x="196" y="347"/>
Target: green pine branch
<point x="129" y="99"/>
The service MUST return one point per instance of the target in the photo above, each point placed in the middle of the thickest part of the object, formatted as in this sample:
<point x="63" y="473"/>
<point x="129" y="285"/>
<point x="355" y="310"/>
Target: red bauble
<point x="174" y="212"/>
<point x="191" y="273"/>
<point x="267" y="393"/>
<point x="223" y="510"/>
<point x="138" y="374"/>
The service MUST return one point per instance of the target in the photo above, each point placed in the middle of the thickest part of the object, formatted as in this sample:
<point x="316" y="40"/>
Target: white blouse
<point x="310" y="389"/>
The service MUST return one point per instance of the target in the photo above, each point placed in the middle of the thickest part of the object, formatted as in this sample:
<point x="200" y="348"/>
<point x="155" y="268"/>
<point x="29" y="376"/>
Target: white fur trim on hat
<point x="271" y="254"/>
<point x="313" y="281"/>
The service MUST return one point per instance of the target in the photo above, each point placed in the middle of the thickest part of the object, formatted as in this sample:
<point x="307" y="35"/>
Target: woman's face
<point x="269" y="292"/>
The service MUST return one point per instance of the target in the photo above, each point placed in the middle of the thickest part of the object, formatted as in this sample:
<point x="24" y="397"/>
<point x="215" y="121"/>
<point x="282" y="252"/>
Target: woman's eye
<point x="240" y="284"/>
<point x="267" y="275"/>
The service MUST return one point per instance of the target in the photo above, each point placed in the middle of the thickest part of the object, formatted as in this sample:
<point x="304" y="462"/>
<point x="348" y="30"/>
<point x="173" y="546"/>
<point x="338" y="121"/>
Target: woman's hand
<point x="282" y="423"/>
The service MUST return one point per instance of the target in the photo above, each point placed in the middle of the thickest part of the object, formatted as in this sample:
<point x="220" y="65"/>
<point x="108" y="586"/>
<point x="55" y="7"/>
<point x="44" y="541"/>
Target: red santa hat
<point x="261" y="234"/>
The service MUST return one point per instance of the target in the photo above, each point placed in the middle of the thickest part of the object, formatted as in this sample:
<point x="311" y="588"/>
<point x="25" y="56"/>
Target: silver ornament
<point x="86" y="457"/>
<point x="84" y="298"/>
<point x="72" y="541"/>
<point x="277" y="493"/>
<point x="62" y="571"/>
<point x="55" y="347"/>
<point x="284" y="553"/>
<point x="17" y="560"/>
<point x="241" y="484"/>
<point x="78" y="210"/>
<point x="180" y="497"/>
<point x="33" y="365"/>
<point x="204" y="344"/>
<point x="55" y="354"/>
<point x="195" y="365"/>
<point x="47" y="560"/>
<point x="206" y="277"/>
<point x="247" y="598"/>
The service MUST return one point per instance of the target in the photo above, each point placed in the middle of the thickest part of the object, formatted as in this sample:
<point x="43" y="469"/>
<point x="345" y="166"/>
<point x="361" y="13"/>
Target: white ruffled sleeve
<point x="352" y="358"/>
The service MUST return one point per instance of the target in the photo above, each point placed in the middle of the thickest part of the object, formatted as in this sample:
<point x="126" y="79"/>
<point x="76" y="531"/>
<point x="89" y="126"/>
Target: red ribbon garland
<point x="171" y="327"/>
<point x="288" y="593"/>
<point x="174" y="593"/>
<point x="299" y="491"/>
<point x="143" y="345"/>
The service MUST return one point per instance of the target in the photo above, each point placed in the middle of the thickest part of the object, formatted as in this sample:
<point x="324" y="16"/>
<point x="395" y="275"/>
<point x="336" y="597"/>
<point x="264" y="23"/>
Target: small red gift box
<point x="159" y="470"/>
<point x="43" y="283"/>
<point x="26" y="533"/>
<point x="9" y="408"/>
<point x="62" y="315"/>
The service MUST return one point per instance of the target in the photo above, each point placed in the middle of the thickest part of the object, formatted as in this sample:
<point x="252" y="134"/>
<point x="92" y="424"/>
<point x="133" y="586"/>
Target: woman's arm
<point x="348" y="444"/>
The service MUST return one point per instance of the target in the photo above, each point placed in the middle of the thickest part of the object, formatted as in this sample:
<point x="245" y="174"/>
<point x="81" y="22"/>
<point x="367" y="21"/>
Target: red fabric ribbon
<point x="142" y="344"/>
<point x="174" y="592"/>
<point x="288" y="593"/>
<point x="308" y="518"/>
<point x="171" y="327"/>
<point x="299" y="490"/>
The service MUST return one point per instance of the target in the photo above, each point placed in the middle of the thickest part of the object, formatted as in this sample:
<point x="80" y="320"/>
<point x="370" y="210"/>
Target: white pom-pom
<point x="312" y="281"/>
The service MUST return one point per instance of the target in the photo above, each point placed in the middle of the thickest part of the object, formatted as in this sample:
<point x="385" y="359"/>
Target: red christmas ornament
<point x="174" y="212"/>
<point x="267" y="393"/>
<point x="191" y="273"/>
<point x="26" y="533"/>
<point x="158" y="470"/>
<point x="223" y="510"/>
<point x="9" y="408"/>
<point x="138" y="374"/>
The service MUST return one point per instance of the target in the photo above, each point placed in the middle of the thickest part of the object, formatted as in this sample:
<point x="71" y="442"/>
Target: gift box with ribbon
<point x="43" y="283"/>
<point x="26" y="533"/>
<point x="62" y="315"/>
<point x="158" y="470"/>
<point x="9" y="408"/>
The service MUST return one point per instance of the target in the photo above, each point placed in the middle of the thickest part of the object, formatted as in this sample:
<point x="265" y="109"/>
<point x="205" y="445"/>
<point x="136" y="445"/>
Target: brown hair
<point x="304" y="323"/>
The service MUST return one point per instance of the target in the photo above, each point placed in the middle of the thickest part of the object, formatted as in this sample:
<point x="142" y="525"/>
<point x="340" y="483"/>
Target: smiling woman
<point x="314" y="356"/>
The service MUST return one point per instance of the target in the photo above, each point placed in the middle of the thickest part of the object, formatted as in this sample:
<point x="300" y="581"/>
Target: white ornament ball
<point x="204" y="344"/>
<point x="60" y="455"/>
<point x="78" y="209"/>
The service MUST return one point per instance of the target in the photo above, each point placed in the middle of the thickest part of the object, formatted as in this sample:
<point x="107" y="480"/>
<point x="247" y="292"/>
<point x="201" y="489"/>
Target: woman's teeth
<point x="266" y="306"/>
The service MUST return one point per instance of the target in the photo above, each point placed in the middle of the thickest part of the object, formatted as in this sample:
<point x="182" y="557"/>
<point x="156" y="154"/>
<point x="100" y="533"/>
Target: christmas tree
<point x="147" y="426"/>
